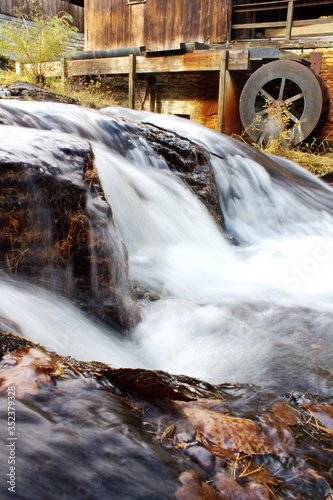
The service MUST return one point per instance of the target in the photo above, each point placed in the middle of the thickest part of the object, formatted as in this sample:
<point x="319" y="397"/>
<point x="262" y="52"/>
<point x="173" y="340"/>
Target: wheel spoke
<point x="264" y="135"/>
<point x="281" y="91"/>
<point x="262" y="112"/>
<point x="287" y="88"/>
<point x="267" y="95"/>
<point x="294" y="98"/>
<point x="293" y="116"/>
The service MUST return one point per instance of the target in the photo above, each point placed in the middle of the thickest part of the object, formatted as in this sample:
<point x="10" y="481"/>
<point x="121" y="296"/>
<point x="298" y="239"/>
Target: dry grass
<point x="316" y="156"/>
<point x="317" y="163"/>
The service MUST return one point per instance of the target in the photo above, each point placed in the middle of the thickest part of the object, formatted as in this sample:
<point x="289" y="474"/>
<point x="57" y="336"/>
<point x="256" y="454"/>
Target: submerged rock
<point x="87" y="431"/>
<point x="190" y="162"/>
<point x="57" y="227"/>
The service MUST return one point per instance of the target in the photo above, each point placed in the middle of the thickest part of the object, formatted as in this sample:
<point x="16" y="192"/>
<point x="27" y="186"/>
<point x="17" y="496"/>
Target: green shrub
<point x="36" y="39"/>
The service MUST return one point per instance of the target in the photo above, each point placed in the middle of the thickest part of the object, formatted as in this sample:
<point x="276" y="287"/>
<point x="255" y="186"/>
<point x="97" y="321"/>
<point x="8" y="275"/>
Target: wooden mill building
<point x="200" y="58"/>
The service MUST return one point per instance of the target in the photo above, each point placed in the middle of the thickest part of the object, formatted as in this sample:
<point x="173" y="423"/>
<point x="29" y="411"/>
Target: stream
<point x="249" y="303"/>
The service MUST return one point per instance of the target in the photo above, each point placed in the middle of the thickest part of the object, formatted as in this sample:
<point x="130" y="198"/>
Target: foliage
<point x="36" y="39"/>
<point x="92" y="92"/>
<point x="316" y="157"/>
<point x="274" y="126"/>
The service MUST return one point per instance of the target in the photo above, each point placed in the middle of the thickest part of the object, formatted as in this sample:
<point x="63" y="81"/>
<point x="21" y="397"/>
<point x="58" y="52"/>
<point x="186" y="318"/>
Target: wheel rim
<point x="289" y="88"/>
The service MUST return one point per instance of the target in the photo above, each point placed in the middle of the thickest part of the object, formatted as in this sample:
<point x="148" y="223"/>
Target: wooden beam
<point x="152" y="93"/>
<point x="280" y="4"/>
<point x="222" y="90"/>
<point x="131" y="80"/>
<point x="280" y="24"/>
<point x="238" y="60"/>
<point x="196" y="61"/>
<point x="272" y="24"/>
<point x="290" y="16"/>
<point x="191" y="61"/>
<point x="64" y="70"/>
<point x="304" y="30"/>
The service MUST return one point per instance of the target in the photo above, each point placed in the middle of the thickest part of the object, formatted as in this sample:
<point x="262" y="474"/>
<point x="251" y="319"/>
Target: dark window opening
<point x="255" y="18"/>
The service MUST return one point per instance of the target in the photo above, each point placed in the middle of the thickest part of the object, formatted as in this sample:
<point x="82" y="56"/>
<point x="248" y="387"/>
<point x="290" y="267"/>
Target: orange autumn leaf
<point x="24" y="369"/>
<point x="205" y="403"/>
<point x="323" y="413"/>
<point x="240" y="434"/>
<point x="192" y="489"/>
<point x="285" y="412"/>
<point x="231" y="490"/>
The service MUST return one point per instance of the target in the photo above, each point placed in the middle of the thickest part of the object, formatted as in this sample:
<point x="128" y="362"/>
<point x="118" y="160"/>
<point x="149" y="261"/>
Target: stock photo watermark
<point x="11" y="439"/>
<point x="309" y="264"/>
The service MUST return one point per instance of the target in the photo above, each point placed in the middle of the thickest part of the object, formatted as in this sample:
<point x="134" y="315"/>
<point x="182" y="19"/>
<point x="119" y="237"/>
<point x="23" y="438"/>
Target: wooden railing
<point x="254" y="11"/>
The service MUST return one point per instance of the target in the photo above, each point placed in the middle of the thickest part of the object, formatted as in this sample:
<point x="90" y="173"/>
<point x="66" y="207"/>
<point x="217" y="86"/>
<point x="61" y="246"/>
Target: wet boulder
<point x="25" y="90"/>
<point x="88" y="431"/>
<point x="56" y="226"/>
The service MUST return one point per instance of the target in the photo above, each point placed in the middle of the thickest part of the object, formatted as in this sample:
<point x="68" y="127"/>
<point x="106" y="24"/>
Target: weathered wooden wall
<point x="156" y="24"/>
<point x="50" y="8"/>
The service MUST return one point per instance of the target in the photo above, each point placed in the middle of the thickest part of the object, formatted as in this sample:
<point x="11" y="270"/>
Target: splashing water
<point x="260" y="312"/>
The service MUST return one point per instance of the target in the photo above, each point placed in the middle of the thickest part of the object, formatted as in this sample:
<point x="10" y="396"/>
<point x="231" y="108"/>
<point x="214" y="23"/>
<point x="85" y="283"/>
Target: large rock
<point x="56" y="226"/>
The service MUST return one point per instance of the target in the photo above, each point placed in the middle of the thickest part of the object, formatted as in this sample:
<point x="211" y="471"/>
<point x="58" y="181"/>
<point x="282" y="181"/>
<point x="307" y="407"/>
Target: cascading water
<point x="260" y="312"/>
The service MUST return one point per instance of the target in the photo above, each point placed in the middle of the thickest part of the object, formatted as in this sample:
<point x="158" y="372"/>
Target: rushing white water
<point x="260" y="312"/>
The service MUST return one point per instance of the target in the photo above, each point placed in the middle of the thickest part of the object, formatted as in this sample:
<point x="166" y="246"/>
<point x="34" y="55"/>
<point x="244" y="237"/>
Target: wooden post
<point x="222" y="90"/>
<point x="64" y="70"/>
<point x="152" y="93"/>
<point x="131" y="80"/>
<point x="18" y="68"/>
<point x="290" y="15"/>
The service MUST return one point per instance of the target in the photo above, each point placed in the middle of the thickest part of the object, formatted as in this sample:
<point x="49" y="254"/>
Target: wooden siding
<point x="50" y="8"/>
<point x="156" y="24"/>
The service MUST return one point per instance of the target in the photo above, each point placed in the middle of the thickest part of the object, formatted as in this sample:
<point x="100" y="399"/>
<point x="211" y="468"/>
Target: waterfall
<point x="260" y="311"/>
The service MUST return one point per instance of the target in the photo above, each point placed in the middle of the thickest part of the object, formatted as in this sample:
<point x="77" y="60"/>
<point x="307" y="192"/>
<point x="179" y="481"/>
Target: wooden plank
<point x="315" y="59"/>
<point x="290" y="15"/>
<point x="233" y="86"/>
<point x="64" y="70"/>
<point x="273" y="24"/>
<point x="244" y="7"/>
<point x="152" y="93"/>
<point x="260" y="4"/>
<point x="280" y="24"/>
<point x="136" y="18"/>
<point x="196" y="61"/>
<point x="157" y="24"/>
<point x="254" y="7"/>
<point x="222" y="90"/>
<point x="131" y="80"/>
<point x="114" y="66"/>
<point x="307" y="29"/>
<point x="238" y="60"/>
<point x="51" y="69"/>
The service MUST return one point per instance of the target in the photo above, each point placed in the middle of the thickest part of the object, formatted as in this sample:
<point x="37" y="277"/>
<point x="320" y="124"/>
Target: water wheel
<point x="292" y="89"/>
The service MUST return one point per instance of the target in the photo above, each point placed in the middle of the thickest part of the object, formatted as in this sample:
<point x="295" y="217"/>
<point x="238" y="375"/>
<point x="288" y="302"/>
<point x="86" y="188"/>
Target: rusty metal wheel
<point x="287" y="85"/>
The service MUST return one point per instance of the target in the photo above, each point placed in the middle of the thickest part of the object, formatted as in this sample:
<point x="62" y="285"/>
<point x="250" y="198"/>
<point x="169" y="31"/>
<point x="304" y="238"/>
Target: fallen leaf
<point x="239" y="434"/>
<point x="146" y="383"/>
<point x="206" y="403"/>
<point x="285" y="412"/>
<point x="24" y="369"/>
<point x="192" y="489"/>
<point x="323" y="413"/>
<point x="231" y="490"/>
<point x="278" y="430"/>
